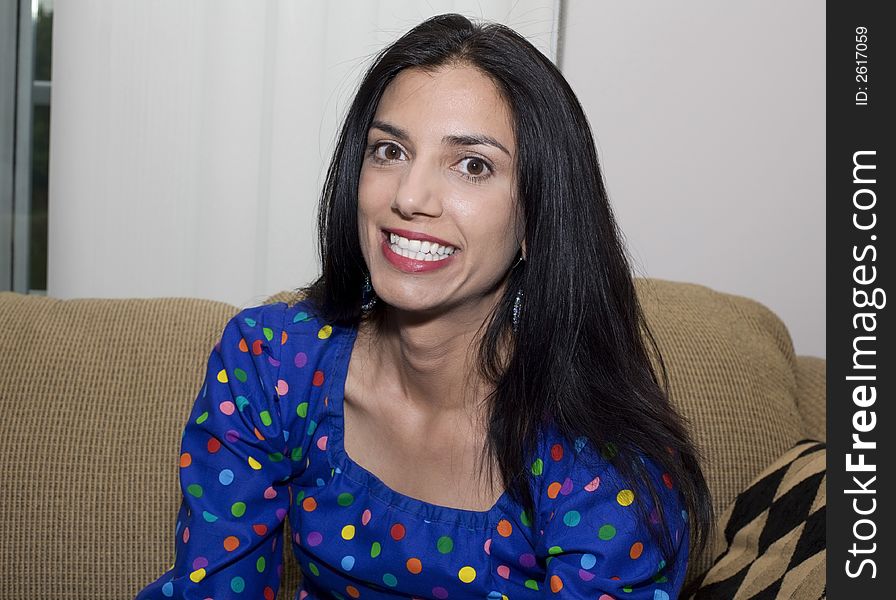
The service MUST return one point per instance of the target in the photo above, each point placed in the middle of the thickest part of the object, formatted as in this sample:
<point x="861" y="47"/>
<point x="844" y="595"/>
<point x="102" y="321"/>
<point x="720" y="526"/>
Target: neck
<point x="430" y="363"/>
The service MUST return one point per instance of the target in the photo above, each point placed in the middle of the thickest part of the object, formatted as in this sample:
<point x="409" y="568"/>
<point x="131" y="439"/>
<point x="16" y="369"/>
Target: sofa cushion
<point x="94" y="395"/>
<point x="774" y="533"/>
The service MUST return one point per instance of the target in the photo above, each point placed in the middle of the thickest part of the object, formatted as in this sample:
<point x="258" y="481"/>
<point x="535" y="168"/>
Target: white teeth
<point x="419" y="248"/>
<point x="407" y="253"/>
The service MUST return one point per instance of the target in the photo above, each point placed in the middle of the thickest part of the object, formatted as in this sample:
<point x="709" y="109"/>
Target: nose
<point x="418" y="192"/>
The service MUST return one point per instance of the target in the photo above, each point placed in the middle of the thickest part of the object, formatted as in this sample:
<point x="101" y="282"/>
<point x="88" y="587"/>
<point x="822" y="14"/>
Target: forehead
<point x="452" y="99"/>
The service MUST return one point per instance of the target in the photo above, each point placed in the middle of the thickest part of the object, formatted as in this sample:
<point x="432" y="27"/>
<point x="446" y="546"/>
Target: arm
<point x="597" y="546"/>
<point x="234" y="472"/>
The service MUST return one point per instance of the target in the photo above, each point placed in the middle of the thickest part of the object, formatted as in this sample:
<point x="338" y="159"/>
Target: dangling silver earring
<point x="518" y="301"/>
<point x="368" y="296"/>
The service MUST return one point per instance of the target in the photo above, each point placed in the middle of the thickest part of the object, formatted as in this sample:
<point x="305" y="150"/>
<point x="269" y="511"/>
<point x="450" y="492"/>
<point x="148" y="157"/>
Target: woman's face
<point x="439" y="171"/>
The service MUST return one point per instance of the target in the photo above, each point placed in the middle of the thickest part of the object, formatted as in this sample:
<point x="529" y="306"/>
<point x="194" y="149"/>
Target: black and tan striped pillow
<point x="774" y="533"/>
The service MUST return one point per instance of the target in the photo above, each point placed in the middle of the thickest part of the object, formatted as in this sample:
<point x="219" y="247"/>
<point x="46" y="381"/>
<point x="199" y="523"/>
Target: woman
<point x="462" y="406"/>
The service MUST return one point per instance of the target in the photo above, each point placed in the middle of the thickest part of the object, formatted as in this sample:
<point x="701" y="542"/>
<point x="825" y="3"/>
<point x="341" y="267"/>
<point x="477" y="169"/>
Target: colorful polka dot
<point x="537" y="467"/>
<point x="231" y="543"/>
<point x="197" y="575"/>
<point x="238" y="584"/>
<point x="606" y="532"/>
<point x="625" y="497"/>
<point x="554" y="490"/>
<point x="414" y="565"/>
<point x="557" y="451"/>
<point x="397" y="531"/>
<point x="445" y="544"/>
<point x="572" y="518"/>
<point x="505" y="528"/>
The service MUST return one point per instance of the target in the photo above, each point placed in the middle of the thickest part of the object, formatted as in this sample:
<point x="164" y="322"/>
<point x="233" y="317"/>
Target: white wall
<point x="189" y="139"/>
<point x="710" y="122"/>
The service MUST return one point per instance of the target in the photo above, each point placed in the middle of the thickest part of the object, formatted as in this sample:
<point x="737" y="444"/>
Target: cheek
<point x="375" y="191"/>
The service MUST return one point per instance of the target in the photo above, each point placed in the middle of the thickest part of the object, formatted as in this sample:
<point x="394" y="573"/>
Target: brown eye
<point x="387" y="152"/>
<point x="475" y="167"/>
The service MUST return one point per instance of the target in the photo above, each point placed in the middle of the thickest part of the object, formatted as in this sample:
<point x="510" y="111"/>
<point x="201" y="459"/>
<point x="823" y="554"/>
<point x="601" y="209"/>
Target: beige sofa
<point x="94" y="393"/>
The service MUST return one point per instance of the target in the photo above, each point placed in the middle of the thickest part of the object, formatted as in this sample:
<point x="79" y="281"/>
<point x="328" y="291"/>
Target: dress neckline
<point x="343" y="463"/>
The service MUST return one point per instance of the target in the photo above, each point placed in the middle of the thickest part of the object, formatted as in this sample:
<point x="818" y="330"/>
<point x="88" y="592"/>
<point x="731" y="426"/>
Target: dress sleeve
<point x="595" y="543"/>
<point x="234" y="471"/>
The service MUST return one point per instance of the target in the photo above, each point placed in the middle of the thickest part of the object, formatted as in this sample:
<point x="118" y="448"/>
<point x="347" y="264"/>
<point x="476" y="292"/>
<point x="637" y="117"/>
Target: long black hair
<point x="582" y="353"/>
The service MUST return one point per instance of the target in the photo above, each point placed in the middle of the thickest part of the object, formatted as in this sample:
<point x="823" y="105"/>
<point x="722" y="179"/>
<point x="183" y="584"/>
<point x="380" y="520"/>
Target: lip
<point x="411" y="265"/>
<point x="416" y="235"/>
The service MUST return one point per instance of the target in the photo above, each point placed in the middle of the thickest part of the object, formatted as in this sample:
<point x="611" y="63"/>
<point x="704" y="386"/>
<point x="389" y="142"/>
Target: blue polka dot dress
<point x="264" y="443"/>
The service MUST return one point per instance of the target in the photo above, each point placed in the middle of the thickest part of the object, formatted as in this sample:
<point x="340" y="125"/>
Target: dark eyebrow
<point x="392" y="130"/>
<point x="474" y="140"/>
<point x="453" y="140"/>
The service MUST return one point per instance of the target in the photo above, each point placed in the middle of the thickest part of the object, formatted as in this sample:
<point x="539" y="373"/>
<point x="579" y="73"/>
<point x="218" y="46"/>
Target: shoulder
<point x="576" y="476"/>
<point x="272" y="325"/>
<point x="314" y="355"/>
<point x="602" y="532"/>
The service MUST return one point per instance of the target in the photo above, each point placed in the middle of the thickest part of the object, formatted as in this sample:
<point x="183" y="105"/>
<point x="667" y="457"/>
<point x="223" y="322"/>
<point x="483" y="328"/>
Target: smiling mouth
<point x="423" y="250"/>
